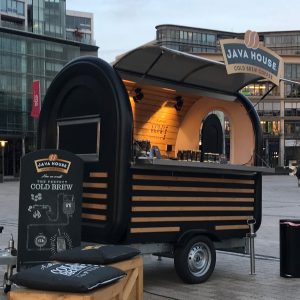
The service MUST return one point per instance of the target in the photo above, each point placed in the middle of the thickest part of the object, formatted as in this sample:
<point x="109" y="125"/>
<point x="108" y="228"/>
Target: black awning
<point x="162" y="66"/>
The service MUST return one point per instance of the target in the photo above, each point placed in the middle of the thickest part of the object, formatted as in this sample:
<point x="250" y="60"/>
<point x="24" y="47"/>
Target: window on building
<point x="13" y="6"/>
<point x="270" y="127"/>
<point x="20" y="8"/>
<point x="268" y="109"/>
<point x="292" y="90"/>
<point x="292" y="129"/>
<point x="211" y="39"/>
<point x="259" y="89"/>
<point x="291" y="109"/>
<point x="3" y="5"/>
<point x="292" y="71"/>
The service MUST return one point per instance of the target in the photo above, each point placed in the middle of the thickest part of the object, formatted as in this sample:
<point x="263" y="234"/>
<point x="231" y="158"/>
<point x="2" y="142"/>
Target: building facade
<point x="79" y="27"/>
<point x="279" y="111"/>
<point x="33" y="47"/>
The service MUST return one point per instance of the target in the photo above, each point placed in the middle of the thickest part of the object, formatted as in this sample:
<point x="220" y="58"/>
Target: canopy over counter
<point x="161" y="66"/>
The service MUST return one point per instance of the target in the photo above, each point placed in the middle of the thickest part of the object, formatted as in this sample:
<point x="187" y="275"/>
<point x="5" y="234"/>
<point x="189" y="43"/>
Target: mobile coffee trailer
<point x="158" y="98"/>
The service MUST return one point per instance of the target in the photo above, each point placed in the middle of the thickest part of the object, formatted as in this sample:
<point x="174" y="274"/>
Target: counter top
<point x="195" y="166"/>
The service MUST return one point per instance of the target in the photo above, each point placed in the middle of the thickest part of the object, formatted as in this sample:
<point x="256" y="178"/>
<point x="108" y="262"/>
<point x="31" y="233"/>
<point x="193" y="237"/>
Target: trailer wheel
<point x="195" y="261"/>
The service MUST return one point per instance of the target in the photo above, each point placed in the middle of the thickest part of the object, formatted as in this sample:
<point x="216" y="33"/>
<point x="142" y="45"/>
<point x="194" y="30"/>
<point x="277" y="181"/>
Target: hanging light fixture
<point x="138" y="95"/>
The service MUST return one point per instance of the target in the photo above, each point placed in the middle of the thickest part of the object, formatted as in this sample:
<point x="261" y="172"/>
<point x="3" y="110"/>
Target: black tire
<point x="6" y="286"/>
<point x="195" y="261"/>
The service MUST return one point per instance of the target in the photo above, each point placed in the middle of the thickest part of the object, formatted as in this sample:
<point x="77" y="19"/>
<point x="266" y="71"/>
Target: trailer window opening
<point x="80" y="136"/>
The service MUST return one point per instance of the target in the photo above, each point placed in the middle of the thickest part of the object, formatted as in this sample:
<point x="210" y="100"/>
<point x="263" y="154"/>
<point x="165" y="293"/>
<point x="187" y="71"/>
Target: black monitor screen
<point x="81" y="137"/>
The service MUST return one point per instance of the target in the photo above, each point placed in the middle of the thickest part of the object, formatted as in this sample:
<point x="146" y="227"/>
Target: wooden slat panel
<point x="97" y="185"/>
<point x="189" y="219"/>
<point x="192" y="199"/>
<point x="173" y="125"/>
<point x="155" y="229"/>
<point x="98" y="174"/>
<point x="189" y="189"/>
<point x="144" y="128"/>
<point x="191" y="208"/>
<point x="156" y="140"/>
<point x="94" y="217"/>
<point x="191" y="179"/>
<point x="142" y="117"/>
<point x="94" y="206"/>
<point x="231" y="227"/>
<point x="148" y="108"/>
<point x="94" y="196"/>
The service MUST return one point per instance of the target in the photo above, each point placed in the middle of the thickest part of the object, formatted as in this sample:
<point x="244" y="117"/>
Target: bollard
<point x="251" y="235"/>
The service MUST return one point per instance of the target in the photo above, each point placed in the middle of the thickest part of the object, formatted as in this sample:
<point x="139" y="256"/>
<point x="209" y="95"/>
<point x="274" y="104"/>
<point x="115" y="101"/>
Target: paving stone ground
<point x="231" y="279"/>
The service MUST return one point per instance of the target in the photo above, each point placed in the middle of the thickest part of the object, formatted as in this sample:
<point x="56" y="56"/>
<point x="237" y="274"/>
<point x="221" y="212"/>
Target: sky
<point x="122" y="25"/>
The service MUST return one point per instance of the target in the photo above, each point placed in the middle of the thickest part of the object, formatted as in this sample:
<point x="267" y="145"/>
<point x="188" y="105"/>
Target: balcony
<point x="13" y="25"/>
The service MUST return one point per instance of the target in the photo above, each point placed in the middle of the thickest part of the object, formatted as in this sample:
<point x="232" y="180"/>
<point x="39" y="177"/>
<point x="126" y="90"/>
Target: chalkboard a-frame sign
<point x="49" y="205"/>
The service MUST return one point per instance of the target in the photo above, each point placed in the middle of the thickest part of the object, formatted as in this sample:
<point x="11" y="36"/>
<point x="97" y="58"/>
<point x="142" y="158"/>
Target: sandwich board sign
<point x="49" y="205"/>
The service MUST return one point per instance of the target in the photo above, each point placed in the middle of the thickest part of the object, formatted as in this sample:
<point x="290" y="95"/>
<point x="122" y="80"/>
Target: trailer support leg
<point x="251" y="235"/>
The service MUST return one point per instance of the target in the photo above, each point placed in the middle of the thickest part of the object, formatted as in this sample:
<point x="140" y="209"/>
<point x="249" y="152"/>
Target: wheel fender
<point x="187" y="235"/>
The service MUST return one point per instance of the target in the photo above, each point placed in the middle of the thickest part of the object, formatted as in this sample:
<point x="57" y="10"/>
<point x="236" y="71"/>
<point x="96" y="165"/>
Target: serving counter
<point x="195" y="166"/>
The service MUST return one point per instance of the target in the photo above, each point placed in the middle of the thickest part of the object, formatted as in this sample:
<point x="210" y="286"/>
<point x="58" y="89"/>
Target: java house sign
<point x="247" y="56"/>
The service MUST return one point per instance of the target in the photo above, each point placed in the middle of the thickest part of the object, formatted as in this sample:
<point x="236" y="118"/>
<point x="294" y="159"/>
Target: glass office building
<point x="47" y="17"/>
<point x="280" y="110"/>
<point x="36" y="52"/>
<point x="79" y="27"/>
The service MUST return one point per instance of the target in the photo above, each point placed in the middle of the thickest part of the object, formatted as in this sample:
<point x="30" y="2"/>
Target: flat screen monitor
<point x="80" y="136"/>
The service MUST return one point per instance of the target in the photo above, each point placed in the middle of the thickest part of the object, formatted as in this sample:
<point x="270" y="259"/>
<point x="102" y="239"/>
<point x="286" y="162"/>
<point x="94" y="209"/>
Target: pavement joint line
<point x="163" y="296"/>
<point x="257" y="256"/>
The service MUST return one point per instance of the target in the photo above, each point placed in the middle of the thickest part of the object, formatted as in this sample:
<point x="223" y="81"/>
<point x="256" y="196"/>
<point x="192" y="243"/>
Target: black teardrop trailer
<point x="178" y="207"/>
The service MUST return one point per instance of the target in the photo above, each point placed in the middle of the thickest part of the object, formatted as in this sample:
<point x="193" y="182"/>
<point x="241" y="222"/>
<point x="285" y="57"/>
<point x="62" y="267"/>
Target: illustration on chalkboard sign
<point x="52" y="219"/>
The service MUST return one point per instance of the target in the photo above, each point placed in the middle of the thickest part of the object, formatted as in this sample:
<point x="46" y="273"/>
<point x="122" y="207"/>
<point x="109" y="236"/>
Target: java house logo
<point x="52" y="164"/>
<point x="249" y="56"/>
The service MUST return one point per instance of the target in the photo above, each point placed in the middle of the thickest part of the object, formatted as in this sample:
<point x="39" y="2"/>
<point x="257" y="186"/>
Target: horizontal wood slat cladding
<point x="147" y="126"/>
<point x="172" y="135"/>
<point x="232" y="227"/>
<point x="95" y="185"/>
<point x="189" y="199"/>
<point x="94" y="206"/>
<point x="155" y="229"/>
<point x="190" y="219"/>
<point x="98" y="174"/>
<point x="188" y="189"/>
<point x="223" y="203"/>
<point x="191" y="208"/>
<point x="94" y="202"/>
<point x="193" y="179"/>
<point x="94" y="196"/>
<point x="94" y="217"/>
